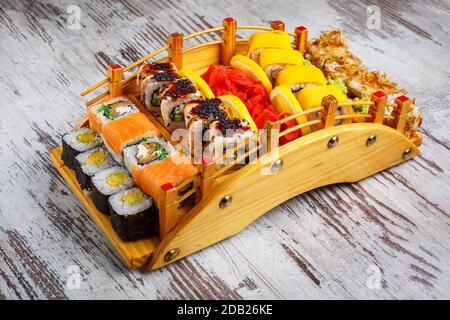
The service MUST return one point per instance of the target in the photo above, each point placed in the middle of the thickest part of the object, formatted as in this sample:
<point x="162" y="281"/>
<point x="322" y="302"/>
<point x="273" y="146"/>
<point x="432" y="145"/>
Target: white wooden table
<point x="385" y="237"/>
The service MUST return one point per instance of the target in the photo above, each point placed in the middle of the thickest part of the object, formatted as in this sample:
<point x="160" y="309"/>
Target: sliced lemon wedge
<point x="237" y="109"/>
<point x="284" y="101"/>
<point x="205" y="90"/>
<point x="251" y="69"/>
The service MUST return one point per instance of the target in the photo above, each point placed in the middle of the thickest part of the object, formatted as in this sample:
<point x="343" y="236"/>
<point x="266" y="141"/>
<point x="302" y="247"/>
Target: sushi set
<point x="186" y="150"/>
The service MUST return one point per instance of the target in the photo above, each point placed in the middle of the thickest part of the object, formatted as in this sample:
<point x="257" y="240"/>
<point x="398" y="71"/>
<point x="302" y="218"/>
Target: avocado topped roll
<point x="148" y="151"/>
<point x="76" y="142"/>
<point x="88" y="163"/>
<point x="151" y="77"/>
<point x="107" y="111"/>
<point x="108" y="182"/>
<point x="173" y="99"/>
<point x="133" y="214"/>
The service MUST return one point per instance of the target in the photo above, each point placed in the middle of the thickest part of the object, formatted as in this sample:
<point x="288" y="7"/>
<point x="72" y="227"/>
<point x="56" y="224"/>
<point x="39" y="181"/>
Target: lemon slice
<point x="284" y="101"/>
<point x="205" y="90"/>
<point x="237" y="109"/>
<point x="251" y="69"/>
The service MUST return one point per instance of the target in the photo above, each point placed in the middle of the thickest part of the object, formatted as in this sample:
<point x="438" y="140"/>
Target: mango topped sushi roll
<point x="76" y="142"/>
<point x="298" y="77"/>
<point x="113" y="109"/>
<point x="173" y="99"/>
<point x="264" y="40"/>
<point x="151" y="77"/>
<point x="108" y="182"/>
<point x="133" y="214"/>
<point x="126" y="131"/>
<point x="311" y="97"/>
<point x="274" y="60"/>
<point x="89" y="163"/>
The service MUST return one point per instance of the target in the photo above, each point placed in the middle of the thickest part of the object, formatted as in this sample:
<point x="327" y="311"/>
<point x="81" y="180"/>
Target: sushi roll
<point x="273" y="61"/>
<point x="126" y="131"/>
<point x="76" y="142"/>
<point x="133" y="214"/>
<point x="151" y="77"/>
<point x="264" y="40"/>
<point x="116" y="108"/>
<point x="297" y="77"/>
<point x="88" y="163"/>
<point x="108" y="182"/>
<point x="173" y="98"/>
<point x="198" y="116"/>
<point x="149" y="150"/>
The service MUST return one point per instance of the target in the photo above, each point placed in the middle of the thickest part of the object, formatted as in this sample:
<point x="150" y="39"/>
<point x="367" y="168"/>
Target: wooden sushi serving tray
<point x="229" y="199"/>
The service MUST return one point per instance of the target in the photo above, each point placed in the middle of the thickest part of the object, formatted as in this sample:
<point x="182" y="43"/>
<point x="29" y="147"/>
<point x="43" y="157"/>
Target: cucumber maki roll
<point x="76" y="142"/>
<point x="108" y="182"/>
<point x="88" y="163"/>
<point x="133" y="214"/>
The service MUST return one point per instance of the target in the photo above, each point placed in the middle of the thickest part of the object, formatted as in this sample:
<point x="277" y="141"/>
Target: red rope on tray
<point x="226" y="80"/>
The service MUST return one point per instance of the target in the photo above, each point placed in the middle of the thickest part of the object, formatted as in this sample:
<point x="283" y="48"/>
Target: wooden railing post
<point x="176" y="49"/>
<point x="228" y="47"/>
<point x="207" y="170"/>
<point x="301" y="38"/>
<point x="272" y="135"/>
<point x="277" y="25"/>
<point x="115" y="75"/>
<point x="168" y="206"/>
<point x="377" y="110"/>
<point x="328" y="114"/>
<point x="399" y="113"/>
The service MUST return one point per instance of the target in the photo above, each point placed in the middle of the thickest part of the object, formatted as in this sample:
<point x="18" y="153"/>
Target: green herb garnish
<point x="162" y="153"/>
<point x="105" y="110"/>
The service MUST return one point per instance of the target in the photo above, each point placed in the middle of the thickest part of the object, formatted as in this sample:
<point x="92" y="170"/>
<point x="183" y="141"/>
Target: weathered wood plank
<point x="323" y="244"/>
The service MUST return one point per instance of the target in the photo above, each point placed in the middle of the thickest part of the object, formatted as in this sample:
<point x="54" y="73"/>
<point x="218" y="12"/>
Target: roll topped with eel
<point x="173" y="99"/>
<point x="151" y="78"/>
<point x="264" y="40"/>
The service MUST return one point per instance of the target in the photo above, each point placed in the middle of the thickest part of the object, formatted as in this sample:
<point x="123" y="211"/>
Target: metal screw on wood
<point x="171" y="254"/>
<point x="226" y="201"/>
<point x="407" y="154"/>
<point x="371" y="140"/>
<point x="333" y="142"/>
<point x="277" y="166"/>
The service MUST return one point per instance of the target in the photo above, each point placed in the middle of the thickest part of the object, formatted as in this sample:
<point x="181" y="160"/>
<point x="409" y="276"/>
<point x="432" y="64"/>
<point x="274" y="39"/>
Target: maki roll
<point x="76" y="142"/>
<point x="108" y="182"/>
<point x="88" y="163"/>
<point x="110" y="110"/>
<point x="133" y="214"/>
<point x="149" y="150"/>
<point x="173" y="98"/>
<point x="126" y="131"/>
<point x="151" y="78"/>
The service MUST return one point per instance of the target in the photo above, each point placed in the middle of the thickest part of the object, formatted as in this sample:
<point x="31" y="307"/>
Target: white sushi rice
<point x="100" y="181"/>
<point x="124" y="209"/>
<point x="71" y="139"/>
<point x="117" y="157"/>
<point x="104" y="119"/>
<point x="92" y="169"/>
<point x="130" y="153"/>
